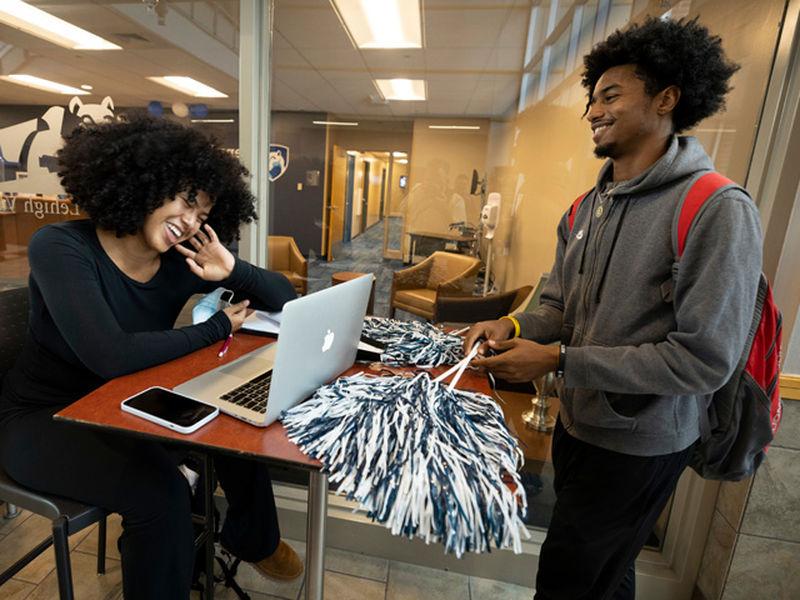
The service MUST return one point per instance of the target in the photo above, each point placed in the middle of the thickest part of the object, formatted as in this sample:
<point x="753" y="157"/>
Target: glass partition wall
<point x="415" y="133"/>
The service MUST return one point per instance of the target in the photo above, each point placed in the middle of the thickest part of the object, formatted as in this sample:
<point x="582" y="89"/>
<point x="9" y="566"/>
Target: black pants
<point x="606" y="506"/>
<point x="140" y="481"/>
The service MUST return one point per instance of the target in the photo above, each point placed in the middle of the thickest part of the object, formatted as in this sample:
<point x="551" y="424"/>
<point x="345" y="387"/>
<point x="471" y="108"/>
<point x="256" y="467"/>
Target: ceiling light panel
<point x="402" y="89"/>
<point x="337" y="123"/>
<point x="381" y="23"/>
<point x="43" y="84"/>
<point x="188" y="86"/>
<point x="464" y="127"/>
<point x="34" y="21"/>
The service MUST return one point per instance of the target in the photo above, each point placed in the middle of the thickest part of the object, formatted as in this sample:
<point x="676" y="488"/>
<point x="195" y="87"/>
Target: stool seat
<point x="78" y="515"/>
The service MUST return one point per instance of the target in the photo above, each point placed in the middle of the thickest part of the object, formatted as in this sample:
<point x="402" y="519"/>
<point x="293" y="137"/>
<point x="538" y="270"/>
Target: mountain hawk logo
<point x="278" y="160"/>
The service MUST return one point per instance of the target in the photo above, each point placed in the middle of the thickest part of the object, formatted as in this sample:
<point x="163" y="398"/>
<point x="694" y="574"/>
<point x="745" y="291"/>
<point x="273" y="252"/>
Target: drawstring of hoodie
<point x="610" y="252"/>
<point x="588" y="233"/>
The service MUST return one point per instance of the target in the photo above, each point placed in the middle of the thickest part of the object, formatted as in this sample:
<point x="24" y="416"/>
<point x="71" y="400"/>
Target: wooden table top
<point x="101" y="409"/>
<point x="453" y="237"/>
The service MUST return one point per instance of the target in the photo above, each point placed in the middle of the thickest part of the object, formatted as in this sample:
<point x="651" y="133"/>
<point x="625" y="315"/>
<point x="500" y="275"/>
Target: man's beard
<point x="605" y="151"/>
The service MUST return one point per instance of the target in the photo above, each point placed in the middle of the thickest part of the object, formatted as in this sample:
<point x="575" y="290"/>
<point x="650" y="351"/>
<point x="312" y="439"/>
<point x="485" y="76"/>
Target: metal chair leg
<point x="208" y="468"/>
<point x="63" y="568"/>
<point x="25" y="560"/>
<point x="101" y="547"/>
<point x="12" y="512"/>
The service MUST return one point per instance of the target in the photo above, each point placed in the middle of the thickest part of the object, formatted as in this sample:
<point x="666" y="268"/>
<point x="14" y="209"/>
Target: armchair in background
<point x="285" y="257"/>
<point x="416" y="288"/>
<point x="453" y="309"/>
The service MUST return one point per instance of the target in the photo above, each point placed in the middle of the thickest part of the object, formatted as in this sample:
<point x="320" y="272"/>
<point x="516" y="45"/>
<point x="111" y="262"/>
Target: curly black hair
<point x="667" y="52"/>
<point x="120" y="172"/>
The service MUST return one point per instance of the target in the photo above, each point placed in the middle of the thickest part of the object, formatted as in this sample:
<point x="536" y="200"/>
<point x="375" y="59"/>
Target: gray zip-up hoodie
<point x="649" y="340"/>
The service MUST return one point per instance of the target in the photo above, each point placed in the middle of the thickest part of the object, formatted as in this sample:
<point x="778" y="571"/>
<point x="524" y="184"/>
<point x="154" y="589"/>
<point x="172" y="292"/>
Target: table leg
<point x="209" y="526"/>
<point x="315" y="535"/>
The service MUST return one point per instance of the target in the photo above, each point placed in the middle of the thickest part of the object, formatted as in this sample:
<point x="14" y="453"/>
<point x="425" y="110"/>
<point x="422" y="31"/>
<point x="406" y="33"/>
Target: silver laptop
<point x="319" y="336"/>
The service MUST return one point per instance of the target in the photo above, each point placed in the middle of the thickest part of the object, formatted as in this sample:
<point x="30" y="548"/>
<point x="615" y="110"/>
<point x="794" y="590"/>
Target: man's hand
<point x="520" y="360"/>
<point x="487" y="330"/>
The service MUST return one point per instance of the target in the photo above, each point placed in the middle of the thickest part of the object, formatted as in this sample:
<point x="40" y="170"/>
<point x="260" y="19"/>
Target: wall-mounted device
<point x="478" y="186"/>
<point x="490" y="215"/>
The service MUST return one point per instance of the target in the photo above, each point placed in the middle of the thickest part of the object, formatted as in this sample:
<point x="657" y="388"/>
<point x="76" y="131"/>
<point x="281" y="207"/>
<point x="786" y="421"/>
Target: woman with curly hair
<point x="644" y="341"/>
<point x="104" y="296"/>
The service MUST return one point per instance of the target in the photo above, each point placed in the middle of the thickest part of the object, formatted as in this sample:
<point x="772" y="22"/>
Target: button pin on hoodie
<point x="579" y="235"/>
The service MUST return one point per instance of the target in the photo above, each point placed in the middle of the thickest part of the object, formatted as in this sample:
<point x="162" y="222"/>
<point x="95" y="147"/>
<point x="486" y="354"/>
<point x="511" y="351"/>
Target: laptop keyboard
<point x="252" y="394"/>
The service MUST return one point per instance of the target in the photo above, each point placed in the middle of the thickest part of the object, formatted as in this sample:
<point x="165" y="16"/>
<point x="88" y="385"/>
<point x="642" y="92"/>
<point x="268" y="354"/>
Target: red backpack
<point x="743" y="416"/>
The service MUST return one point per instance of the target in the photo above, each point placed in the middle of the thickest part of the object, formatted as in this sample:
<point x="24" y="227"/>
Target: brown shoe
<point x="283" y="564"/>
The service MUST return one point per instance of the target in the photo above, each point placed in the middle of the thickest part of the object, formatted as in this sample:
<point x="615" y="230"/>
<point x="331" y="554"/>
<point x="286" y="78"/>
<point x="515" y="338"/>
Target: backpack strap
<point x="703" y="188"/>
<point x="575" y="206"/>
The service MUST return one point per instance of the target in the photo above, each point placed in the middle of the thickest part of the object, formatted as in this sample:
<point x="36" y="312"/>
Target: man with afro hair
<point x="643" y="343"/>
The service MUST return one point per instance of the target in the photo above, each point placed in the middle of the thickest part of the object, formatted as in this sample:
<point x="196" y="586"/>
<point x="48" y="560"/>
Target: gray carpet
<point x="364" y="254"/>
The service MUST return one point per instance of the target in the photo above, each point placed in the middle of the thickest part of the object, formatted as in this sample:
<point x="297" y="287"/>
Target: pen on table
<point x="225" y="345"/>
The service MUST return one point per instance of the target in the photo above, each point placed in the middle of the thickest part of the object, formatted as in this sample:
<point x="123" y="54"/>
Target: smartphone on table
<point x="170" y="409"/>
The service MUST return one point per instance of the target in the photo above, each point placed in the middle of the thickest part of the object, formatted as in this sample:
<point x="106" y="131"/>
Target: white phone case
<point x="163" y="422"/>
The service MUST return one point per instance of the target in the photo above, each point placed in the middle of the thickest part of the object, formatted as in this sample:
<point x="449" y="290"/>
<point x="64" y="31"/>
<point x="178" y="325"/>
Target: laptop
<point x="319" y="335"/>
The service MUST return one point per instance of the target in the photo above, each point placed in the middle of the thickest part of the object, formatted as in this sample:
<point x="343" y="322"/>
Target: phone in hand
<point x="170" y="409"/>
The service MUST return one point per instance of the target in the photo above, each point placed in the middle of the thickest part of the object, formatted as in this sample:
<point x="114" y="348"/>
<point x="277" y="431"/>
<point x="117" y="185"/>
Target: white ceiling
<point x="471" y="59"/>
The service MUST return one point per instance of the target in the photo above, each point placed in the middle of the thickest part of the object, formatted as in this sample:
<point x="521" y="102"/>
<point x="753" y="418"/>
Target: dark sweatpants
<point x="140" y="481"/>
<point x="606" y="506"/>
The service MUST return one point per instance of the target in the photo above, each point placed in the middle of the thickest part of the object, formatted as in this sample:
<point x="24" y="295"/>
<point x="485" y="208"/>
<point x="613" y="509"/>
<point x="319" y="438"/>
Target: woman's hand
<point x="211" y="261"/>
<point x="236" y="314"/>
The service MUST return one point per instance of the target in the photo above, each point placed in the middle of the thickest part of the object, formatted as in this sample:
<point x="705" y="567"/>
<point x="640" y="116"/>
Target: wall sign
<point x="28" y="149"/>
<point x="278" y="160"/>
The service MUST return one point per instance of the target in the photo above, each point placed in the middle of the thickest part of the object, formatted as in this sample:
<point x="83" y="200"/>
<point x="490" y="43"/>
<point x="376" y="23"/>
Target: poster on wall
<point x="278" y="160"/>
<point x="28" y="149"/>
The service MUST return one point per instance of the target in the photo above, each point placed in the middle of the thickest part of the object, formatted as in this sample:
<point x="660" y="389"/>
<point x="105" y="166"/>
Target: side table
<point x="343" y="276"/>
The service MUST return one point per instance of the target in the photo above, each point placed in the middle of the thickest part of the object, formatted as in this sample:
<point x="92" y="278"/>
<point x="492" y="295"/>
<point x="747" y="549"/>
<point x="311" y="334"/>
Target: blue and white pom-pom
<point x="413" y="342"/>
<point x="420" y="457"/>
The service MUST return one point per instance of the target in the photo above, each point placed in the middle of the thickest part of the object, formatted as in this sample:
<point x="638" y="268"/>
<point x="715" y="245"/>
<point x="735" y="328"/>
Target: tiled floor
<point x="348" y="576"/>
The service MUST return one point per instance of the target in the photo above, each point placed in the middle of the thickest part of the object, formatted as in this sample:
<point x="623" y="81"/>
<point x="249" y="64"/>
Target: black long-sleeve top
<point x="89" y="322"/>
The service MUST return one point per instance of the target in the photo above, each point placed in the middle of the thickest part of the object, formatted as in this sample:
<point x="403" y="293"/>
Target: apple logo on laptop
<point x="328" y="342"/>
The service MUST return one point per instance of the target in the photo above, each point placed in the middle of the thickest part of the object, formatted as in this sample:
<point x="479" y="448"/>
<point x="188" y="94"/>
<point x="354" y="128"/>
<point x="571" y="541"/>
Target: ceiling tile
<point x="406" y="59"/>
<point x="287" y="57"/>
<point x="463" y="28"/>
<point x="305" y="27"/>
<point x="343" y="58"/>
<point x="459" y="59"/>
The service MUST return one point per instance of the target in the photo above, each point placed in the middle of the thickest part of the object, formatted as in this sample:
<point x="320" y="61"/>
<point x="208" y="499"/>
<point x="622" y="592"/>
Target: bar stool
<point x="68" y="517"/>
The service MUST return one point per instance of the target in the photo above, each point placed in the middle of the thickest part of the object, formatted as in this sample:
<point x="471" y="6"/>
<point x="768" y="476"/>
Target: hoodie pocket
<point x="591" y="407"/>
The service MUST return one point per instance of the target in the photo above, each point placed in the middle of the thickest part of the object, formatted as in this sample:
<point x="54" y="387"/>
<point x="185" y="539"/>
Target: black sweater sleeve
<point x="266" y="290"/>
<point x="68" y="277"/>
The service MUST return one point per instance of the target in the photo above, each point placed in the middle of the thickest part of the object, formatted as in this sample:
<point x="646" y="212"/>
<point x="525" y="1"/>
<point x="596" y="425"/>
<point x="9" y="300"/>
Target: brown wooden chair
<point x="285" y="257"/>
<point x="416" y="288"/>
<point x="451" y="309"/>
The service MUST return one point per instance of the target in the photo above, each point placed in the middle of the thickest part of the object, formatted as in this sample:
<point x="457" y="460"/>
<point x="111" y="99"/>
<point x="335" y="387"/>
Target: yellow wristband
<point x="514" y="321"/>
